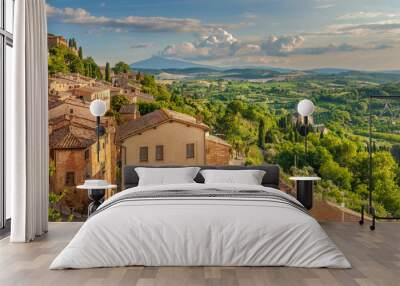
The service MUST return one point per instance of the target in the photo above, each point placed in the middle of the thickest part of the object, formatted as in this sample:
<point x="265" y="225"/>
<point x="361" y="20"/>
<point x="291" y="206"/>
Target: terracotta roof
<point x="92" y="89"/>
<point x="113" y="88"/>
<point x="217" y="140"/>
<point x="154" y="119"/>
<point x="61" y="80"/>
<point x="128" y="109"/>
<point x="144" y="96"/>
<point x="54" y="102"/>
<point x="67" y="138"/>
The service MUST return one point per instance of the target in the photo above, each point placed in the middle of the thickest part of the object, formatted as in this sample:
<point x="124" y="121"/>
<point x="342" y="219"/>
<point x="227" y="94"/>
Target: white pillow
<point x="166" y="176"/>
<point x="248" y="177"/>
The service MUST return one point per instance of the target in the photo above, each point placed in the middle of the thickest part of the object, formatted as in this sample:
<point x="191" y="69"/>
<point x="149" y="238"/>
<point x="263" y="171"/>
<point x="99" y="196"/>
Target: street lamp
<point x="305" y="108"/>
<point x="98" y="108"/>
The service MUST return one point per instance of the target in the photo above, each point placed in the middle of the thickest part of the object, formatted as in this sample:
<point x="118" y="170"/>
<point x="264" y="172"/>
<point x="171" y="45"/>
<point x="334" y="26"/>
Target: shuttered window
<point x="189" y="151"/>
<point x="70" y="179"/>
<point x="144" y="154"/>
<point x="160" y="152"/>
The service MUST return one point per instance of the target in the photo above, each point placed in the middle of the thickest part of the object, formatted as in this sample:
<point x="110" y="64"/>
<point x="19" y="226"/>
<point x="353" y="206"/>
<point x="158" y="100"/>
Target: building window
<point x="71" y="111"/>
<point x="70" y="179"/>
<point x="87" y="154"/>
<point x="160" y="152"/>
<point x="144" y="154"/>
<point x="189" y="151"/>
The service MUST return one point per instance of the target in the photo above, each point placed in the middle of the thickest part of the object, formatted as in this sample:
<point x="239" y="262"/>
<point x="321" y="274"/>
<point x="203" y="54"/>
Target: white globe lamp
<point x="305" y="107"/>
<point x="98" y="108"/>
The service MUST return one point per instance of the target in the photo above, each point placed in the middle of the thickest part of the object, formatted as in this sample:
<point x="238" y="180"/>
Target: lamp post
<point x="305" y="108"/>
<point x="98" y="108"/>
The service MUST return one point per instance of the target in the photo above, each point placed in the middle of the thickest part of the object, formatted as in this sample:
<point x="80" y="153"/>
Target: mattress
<point x="201" y="225"/>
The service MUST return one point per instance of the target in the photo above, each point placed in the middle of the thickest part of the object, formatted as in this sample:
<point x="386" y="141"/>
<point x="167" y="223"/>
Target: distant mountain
<point x="392" y="71"/>
<point x="269" y="68"/>
<point x="158" y="63"/>
<point x="329" y="70"/>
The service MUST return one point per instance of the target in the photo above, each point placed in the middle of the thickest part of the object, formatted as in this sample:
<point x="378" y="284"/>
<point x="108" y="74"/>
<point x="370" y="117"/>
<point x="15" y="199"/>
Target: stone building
<point x="69" y="106"/>
<point x="166" y="137"/>
<point x="53" y="41"/>
<point x="67" y="82"/>
<point x="141" y="97"/>
<point x="91" y="93"/>
<point x="129" y="112"/>
<point x="73" y="156"/>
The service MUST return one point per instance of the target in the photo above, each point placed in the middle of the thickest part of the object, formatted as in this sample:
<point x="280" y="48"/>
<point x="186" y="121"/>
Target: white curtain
<point x="26" y="124"/>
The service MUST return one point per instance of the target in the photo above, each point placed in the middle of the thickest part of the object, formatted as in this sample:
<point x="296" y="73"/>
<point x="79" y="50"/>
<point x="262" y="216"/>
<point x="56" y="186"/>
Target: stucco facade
<point x="75" y="107"/>
<point x="174" y="136"/>
<point x="91" y="93"/>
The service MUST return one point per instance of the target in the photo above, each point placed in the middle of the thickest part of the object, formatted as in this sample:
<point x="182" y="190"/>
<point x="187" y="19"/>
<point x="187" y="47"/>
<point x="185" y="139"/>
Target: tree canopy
<point x="121" y="67"/>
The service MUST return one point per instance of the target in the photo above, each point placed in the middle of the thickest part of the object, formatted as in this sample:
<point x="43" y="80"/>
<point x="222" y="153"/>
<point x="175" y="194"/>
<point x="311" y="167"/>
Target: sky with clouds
<point x="304" y="34"/>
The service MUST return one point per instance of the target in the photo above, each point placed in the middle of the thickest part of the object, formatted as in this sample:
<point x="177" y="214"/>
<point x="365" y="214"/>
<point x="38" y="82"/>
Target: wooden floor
<point x="375" y="257"/>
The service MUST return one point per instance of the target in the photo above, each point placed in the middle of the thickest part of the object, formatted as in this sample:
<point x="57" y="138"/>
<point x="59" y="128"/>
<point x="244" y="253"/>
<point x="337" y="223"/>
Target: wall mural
<point x="218" y="83"/>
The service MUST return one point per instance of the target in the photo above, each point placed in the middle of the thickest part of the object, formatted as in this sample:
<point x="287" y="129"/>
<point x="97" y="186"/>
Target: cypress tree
<point x="261" y="134"/>
<point x="80" y="52"/>
<point x="107" y="72"/>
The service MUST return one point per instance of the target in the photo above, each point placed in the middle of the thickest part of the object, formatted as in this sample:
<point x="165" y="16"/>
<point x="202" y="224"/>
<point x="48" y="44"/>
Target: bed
<point x="201" y="224"/>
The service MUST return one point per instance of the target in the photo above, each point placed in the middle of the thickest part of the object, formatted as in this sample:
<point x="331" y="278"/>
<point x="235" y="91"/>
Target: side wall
<point x="217" y="154"/>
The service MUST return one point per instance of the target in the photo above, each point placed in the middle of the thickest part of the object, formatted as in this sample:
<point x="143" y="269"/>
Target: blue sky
<point x="358" y="34"/>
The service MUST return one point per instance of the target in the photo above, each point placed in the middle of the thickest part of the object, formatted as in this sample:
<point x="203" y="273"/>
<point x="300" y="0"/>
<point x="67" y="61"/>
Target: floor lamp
<point x="96" y="188"/>
<point x="369" y="207"/>
<point x="305" y="108"/>
<point x="98" y="108"/>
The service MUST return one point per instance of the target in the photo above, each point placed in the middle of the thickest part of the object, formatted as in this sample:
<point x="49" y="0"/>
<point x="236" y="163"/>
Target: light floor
<point x="375" y="257"/>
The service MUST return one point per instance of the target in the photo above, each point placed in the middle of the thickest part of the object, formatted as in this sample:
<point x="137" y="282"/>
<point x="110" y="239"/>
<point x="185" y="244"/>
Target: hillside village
<point x="160" y="137"/>
<point x="149" y="123"/>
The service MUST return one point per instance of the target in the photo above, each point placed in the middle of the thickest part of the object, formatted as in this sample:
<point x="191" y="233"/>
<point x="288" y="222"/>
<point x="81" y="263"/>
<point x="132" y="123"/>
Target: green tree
<point x="254" y="156"/>
<point x="80" y="53"/>
<point x="108" y="72"/>
<point x="117" y="101"/>
<point x="121" y="67"/>
<point x="91" y="69"/>
<point x="147" y="107"/>
<point x="340" y="176"/>
<point x="261" y="134"/>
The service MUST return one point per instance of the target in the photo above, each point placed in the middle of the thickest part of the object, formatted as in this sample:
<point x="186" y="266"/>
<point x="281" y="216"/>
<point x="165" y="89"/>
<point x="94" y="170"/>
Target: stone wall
<point x="217" y="154"/>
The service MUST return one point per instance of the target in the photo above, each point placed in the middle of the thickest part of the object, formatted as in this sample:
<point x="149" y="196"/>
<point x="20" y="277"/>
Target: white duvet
<point x="200" y="231"/>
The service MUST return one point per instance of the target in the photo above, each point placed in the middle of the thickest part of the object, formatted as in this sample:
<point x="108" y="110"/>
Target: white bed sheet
<point x="200" y="232"/>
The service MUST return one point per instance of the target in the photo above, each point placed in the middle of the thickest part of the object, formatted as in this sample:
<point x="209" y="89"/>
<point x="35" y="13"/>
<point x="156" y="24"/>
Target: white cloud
<point x="325" y="6"/>
<point x="218" y="43"/>
<point x="339" y="48"/>
<point x="222" y="44"/>
<point x="281" y="45"/>
<point x="248" y="49"/>
<point x="367" y="15"/>
<point x="142" y="24"/>
<point x="186" y="50"/>
<point x="380" y="27"/>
